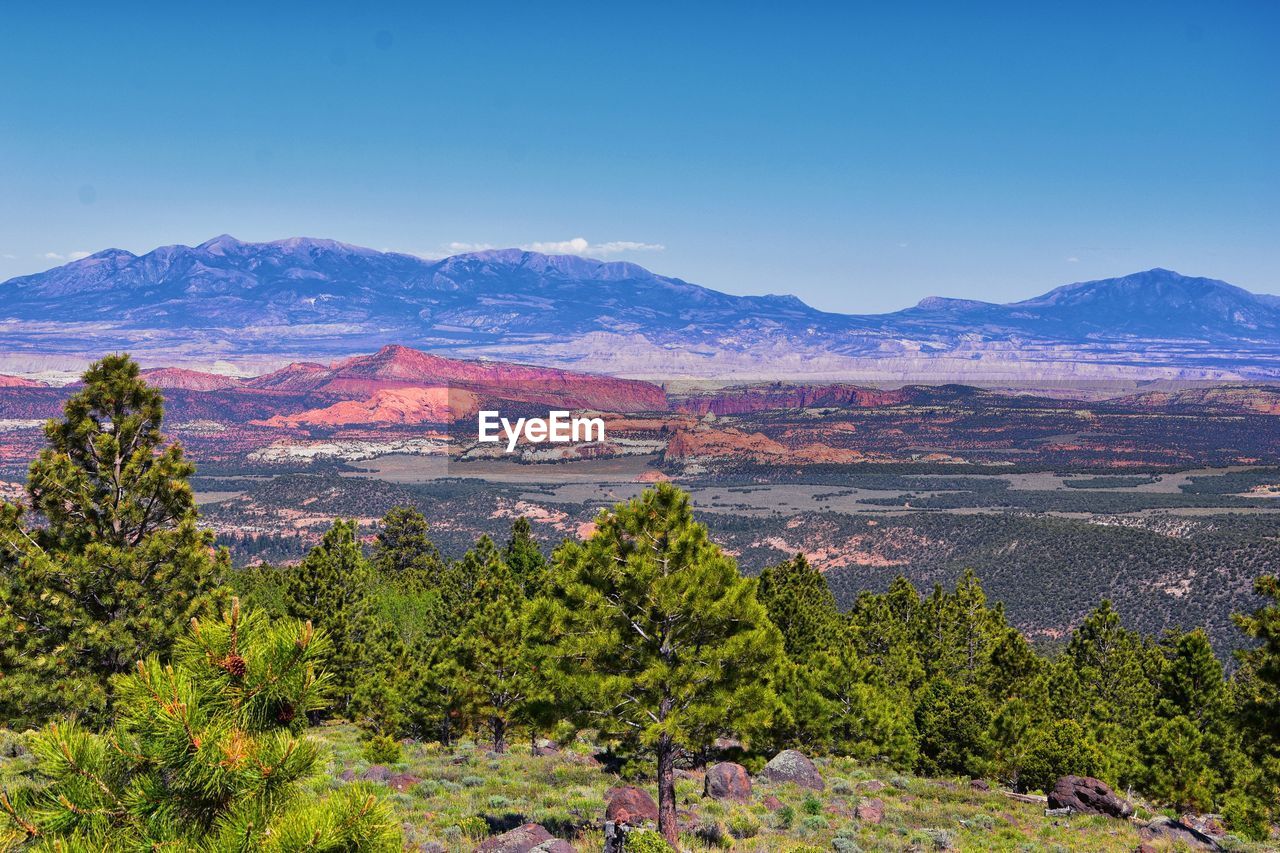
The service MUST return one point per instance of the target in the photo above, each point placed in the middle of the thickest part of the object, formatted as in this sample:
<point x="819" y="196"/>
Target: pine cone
<point x="285" y="714"/>
<point x="235" y="665"/>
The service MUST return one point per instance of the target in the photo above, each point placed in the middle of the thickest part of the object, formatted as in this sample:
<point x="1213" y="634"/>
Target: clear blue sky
<point x="861" y="158"/>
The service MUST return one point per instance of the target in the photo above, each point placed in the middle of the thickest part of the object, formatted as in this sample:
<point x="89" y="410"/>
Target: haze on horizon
<point x="861" y="159"/>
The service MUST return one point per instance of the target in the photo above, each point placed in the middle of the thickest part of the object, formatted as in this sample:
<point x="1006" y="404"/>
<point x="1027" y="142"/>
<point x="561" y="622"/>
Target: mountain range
<point x="244" y="307"/>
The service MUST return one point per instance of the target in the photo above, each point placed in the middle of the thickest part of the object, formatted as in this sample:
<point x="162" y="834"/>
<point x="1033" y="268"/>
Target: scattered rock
<point x="459" y="760"/>
<point x="870" y="811"/>
<point x="681" y="773"/>
<point x="1145" y="848"/>
<point x="872" y="785"/>
<point x="376" y="773"/>
<point x="771" y="803"/>
<point x="630" y="805"/>
<point x="545" y="750"/>
<point x="522" y="839"/>
<point x="979" y="785"/>
<point x="793" y="766"/>
<point x="1209" y="824"/>
<point x="727" y="781"/>
<point x="403" y="781"/>
<point x="1175" y="831"/>
<point x="1087" y="795"/>
<point x="347" y="775"/>
<point x="555" y="845"/>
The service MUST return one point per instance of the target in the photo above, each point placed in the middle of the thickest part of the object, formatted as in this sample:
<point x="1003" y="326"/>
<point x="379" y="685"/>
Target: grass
<point x="464" y="794"/>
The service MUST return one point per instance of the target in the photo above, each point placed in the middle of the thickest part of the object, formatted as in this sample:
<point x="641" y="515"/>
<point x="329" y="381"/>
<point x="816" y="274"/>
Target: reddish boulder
<point x="793" y="766"/>
<point x="630" y="805"/>
<point x="870" y="811"/>
<point x="979" y="785"/>
<point x="727" y="781"/>
<point x="403" y="781"/>
<point x="1087" y="795"/>
<point x="522" y="839"/>
<point x="771" y="803"/>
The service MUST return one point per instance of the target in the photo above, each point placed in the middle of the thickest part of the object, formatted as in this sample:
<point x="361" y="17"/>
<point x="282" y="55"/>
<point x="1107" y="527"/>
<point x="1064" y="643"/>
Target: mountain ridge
<point x="299" y="299"/>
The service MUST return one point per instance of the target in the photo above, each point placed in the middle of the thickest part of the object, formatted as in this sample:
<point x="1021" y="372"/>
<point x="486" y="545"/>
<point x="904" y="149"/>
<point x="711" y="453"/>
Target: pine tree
<point x="857" y="716"/>
<point x="403" y="552"/>
<point x="1114" y="675"/>
<point x="204" y="755"/>
<point x="333" y="588"/>
<point x="886" y="633"/>
<point x="525" y="559"/>
<point x="1259" y="702"/>
<point x="654" y="634"/>
<point x="493" y="661"/>
<point x="118" y="565"/>
<point x="801" y="604"/>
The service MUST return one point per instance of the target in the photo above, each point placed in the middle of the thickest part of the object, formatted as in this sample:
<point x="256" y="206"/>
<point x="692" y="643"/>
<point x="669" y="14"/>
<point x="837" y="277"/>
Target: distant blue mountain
<point x="320" y="297"/>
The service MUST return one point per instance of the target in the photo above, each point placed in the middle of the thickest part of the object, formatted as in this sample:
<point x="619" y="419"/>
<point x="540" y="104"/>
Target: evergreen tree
<point x="118" y="565"/>
<point x="959" y="630"/>
<point x="655" y="635"/>
<point x="204" y="755"/>
<point x="801" y="604"/>
<point x="403" y="552"/>
<point x="952" y="721"/>
<point x="1259" y="702"/>
<point x="493" y="661"/>
<point x="1115" y="676"/>
<point x="333" y="588"/>
<point x="525" y="558"/>
<point x="855" y="714"/>
<point x="886" y="634"/>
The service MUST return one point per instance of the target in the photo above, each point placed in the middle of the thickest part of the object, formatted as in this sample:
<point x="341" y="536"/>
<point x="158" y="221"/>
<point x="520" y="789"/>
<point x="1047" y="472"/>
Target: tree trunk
<point x="499" y="734"/>
<point x="667" y="824"/>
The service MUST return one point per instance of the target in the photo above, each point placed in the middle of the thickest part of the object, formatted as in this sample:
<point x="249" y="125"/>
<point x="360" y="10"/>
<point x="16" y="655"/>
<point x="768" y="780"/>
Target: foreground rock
<point x="793" y="766"/>
<point x="1087" y="795"/>
<point x="1176" y="832"/>
<point x="524" y="839"/>
<point x="630" y="805"/>
<point x="870" y="811"/>
<point x="727" y="781"/>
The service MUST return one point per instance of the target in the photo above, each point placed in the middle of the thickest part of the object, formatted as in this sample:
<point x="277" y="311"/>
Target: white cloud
<point x="1073" y="260"/>
<point x="75" y="256"/>
<point x="9" y="257"/>
<point x="65" y="256"/>
<point x="580" y="246"/>
<point x="54" y="256"/>
<point x="463" y="248"/>
<point x="576" y="246"/>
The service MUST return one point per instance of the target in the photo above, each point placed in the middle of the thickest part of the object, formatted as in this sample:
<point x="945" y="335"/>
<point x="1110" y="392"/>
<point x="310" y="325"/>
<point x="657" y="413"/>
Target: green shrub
<point x="472" y="781"/>
<point x="784" y="817"/>
<point x="814" y="823"/>
<point x="743" y="824"/>
<point x="646" y="841"/>
<point x="812" y="805"/>
<point x="382" y="749"/>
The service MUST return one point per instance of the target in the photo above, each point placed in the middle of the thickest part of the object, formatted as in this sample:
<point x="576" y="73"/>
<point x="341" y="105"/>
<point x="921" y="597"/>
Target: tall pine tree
<point x="654" y="635"/>
<point x="117" y="565"/>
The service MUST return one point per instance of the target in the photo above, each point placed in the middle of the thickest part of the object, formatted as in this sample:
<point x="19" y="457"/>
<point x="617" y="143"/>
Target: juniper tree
<point x="110" y="563"/>
<point x="205" y="754"/>
<point x="654" y="635"/>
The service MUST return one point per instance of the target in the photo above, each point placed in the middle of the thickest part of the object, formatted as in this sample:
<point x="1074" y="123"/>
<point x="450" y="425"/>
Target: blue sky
<point x="859" y="156"/>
